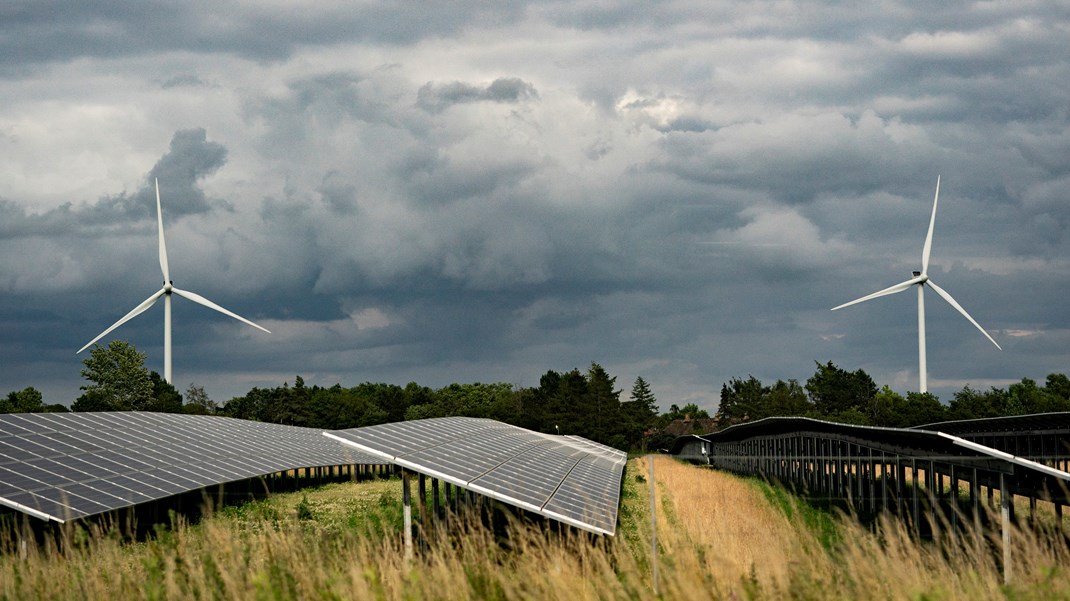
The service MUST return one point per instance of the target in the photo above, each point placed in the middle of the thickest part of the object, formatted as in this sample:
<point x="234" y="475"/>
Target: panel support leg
<point x="406" y="495"/>
<point x="1006" y="504"/>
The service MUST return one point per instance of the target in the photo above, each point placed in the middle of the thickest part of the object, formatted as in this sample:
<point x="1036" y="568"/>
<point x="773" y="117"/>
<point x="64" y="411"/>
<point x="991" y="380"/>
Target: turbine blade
<point x="138" y="310"/>
<point x="163" y="245"/>
<point x="929" y="237"/>
<point x="889" y="290"/>
<point x="197" y="298"/>
<point x="953" y="303"/>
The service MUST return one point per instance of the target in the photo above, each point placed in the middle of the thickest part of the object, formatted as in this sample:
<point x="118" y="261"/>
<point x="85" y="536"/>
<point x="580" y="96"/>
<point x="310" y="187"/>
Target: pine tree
<point x="639" y="413"/>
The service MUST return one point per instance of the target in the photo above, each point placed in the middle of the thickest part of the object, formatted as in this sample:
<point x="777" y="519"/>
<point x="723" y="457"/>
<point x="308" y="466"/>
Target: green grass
<point x="819" y="520"/>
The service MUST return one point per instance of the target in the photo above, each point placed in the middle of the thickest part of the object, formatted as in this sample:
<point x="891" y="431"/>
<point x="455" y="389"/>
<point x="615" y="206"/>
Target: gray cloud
<point x="190" y="158"/>
<point x="435" y="98"/>
<point x="683" y="196"/>
<point x="51" y="31"/>
<point x="183" y="80"/>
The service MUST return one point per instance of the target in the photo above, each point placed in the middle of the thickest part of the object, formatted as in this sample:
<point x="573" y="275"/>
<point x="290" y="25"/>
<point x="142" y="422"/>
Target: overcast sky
<point x="480" y="192"/>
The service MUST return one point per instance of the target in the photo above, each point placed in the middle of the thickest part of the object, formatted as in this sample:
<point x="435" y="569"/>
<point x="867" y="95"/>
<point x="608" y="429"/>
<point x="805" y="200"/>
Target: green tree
<point x="639" y="414"/>
<point x="250" y="406"/>
<point x="747" y="400"/>
<point x="741" y="401"/>
<point x="27" y="400"/>
<point x="642" y="395"/>
<point x="119" y="379"/>
<point x="391" y="398"/>
<point x="530" y="410"/>
<point x="975" y="404"/>
<point x="1027" y="397"/>
<point x="290" y="406"/>
<point x="922" y="408"/>
<point x="886" y="410"/>
<point x="415" y="394"/>
<point x="338" y="408"/>
<point x="165" y="397"/>
<point x="198" y="402"/>
<point x="563" y="397"/>
<point x="541" y="410"/>
<point x="786" y="398"/>
<point x="834" y="391"/>
<point x="92" y="401"/>
<point x="1057" y="393"/>
<point x="1058" y="386"/>
<point x="603" y="408"/>
<point x="688" y="411"/>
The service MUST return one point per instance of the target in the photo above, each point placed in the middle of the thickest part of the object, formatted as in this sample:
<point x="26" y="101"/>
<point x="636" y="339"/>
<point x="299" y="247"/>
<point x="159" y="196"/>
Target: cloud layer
<point x="440" y="194"/>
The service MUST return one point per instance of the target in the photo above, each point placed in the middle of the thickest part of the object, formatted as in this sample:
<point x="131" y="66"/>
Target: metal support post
<point x="434" y="497"/>
<point x="422" y="505"/>
<point x="915" y="486"/>
<point x="931" y="477"/>
<point x="1006" y="504"/>
<point x="406" y="496"/>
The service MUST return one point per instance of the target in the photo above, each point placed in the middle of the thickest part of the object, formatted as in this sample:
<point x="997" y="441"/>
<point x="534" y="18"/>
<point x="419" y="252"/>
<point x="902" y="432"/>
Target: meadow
<point x="719" y="537"/>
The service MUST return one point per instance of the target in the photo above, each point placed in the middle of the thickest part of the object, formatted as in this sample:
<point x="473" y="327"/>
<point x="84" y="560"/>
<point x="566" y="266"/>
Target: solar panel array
<point x="64" y="466"/>
<point x="566" y="478"/>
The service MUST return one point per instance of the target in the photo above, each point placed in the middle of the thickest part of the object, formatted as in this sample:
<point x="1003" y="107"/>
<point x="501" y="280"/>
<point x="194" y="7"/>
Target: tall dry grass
<point x="719" y="536"/>
<point x="797" y="557"/>
<point x="728" y="523"/>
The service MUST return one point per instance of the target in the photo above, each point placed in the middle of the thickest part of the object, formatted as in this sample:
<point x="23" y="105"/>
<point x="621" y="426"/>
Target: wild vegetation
<point x="719" y="536"/>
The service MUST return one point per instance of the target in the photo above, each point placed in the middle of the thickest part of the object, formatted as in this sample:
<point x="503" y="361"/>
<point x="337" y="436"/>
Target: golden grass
<point x="756" y="550"/>
<point x="727" y="521"/>
<point x="719" y="536"/>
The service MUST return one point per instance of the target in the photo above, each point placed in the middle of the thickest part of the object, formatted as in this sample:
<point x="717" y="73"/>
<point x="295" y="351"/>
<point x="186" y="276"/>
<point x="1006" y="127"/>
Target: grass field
<point x="720" y="537"/>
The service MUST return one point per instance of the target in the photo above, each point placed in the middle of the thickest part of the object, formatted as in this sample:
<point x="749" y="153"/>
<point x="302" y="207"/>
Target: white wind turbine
<point x="921" y="279"/>
<point x="166" y="292"/>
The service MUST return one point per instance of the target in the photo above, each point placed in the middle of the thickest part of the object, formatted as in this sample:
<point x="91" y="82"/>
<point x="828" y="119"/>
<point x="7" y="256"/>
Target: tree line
<point x="839" y="395"/>
<point x="585" y="403"/>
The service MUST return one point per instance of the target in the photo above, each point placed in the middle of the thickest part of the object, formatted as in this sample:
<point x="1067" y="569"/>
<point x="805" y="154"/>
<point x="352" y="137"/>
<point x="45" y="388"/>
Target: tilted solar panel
<point x="63" y="466"/>
<point x="566" y="478"/>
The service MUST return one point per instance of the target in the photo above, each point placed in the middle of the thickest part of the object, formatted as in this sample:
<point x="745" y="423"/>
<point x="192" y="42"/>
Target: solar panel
<point x="566" y="478"/>
<point x="63" y="466"/>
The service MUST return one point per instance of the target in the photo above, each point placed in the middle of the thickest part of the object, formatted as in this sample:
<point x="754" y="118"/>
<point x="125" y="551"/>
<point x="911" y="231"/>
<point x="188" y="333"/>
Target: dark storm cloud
<point x="435" y="98"/>
<point x="190" y="159"/>
<point x="689" y="190"/>
<point x="52" y="30"/>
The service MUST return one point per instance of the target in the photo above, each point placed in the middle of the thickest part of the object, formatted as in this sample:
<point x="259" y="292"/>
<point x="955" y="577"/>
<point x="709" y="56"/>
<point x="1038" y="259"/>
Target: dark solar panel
<point x="567" y="478"/>
<point x="62" y="466"/>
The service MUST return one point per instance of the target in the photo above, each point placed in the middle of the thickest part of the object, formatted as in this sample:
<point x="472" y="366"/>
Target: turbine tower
<point x="921" y="279"/>
<point x="166" y="292"/>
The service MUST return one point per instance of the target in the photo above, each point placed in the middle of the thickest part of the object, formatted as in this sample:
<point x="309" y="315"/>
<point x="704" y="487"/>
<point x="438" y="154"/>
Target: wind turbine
<point x="921" y="279"/>
<point x="166" y="292"/>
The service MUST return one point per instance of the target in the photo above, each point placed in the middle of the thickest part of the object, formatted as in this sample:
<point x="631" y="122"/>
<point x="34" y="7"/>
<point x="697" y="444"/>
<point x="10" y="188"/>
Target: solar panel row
<point x="69" y="466"/>
<point x="567" y="478"/>
<point x="63" y="466"/>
